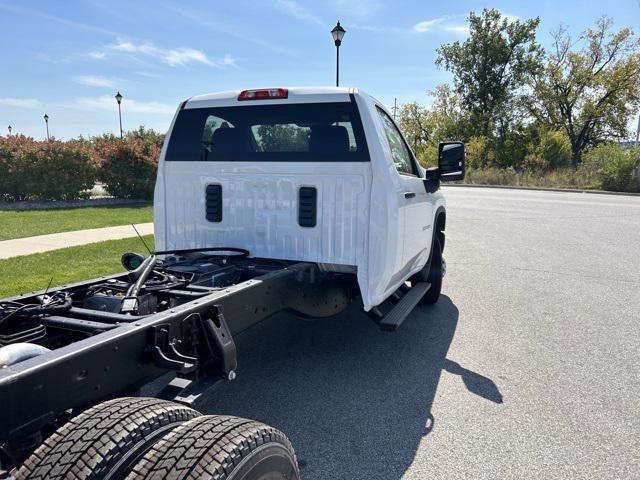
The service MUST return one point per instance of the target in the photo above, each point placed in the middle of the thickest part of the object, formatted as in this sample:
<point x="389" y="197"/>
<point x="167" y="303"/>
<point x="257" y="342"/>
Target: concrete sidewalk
<point x="54" y="241"/>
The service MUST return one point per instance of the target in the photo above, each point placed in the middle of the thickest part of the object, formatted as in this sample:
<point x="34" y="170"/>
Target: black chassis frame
<point x="194" y="339"/>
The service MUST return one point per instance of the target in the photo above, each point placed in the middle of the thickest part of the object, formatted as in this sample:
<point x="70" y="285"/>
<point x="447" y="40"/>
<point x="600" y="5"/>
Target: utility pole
<point x="395" y="107"/>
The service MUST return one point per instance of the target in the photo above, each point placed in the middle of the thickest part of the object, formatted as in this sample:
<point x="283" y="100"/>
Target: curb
<point x="543" y="189"/>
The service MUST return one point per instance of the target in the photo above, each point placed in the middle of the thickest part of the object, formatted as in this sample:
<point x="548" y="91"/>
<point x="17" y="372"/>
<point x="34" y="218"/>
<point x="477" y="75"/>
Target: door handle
<point x="409" y="194"/>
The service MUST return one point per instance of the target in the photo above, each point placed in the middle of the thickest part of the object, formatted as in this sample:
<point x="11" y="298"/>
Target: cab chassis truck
<point x="302" y="199"/>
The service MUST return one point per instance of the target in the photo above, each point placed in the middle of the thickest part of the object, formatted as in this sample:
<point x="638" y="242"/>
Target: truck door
<point x="415" y="204"/>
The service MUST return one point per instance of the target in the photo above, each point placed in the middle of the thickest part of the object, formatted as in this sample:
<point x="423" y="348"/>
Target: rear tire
<point x="217" y="448"/>
<point x="104" y="441"/>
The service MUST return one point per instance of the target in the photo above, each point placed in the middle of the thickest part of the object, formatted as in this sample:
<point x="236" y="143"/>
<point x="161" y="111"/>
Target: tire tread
<point x="90" y="444"/>
<point x="207" y="447"/>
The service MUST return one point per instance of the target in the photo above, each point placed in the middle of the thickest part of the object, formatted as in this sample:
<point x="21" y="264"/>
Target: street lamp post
<point x="46" y="120"/>
<point x="119" y="100"/>
<point x="337" y="33"/>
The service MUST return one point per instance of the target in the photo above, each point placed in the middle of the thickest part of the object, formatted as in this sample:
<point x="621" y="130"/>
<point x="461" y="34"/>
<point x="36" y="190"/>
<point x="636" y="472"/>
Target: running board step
<point x="401" y="310"/>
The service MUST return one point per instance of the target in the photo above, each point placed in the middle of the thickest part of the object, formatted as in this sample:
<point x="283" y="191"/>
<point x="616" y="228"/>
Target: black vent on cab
<point x="307" y="206"/>
<point x="213" y="203"/>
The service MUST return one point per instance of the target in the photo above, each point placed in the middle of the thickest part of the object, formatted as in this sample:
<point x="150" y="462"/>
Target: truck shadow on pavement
<point x="354" y="401"/>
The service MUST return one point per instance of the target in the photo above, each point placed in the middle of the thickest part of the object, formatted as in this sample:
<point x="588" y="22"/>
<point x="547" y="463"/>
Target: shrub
<point x="147" y="135"/>
<point x="50" y="170"/>
<point x="427" y="154"/>
<point x="491" y="176"/>
<point x="615" y="165"/>
<point x="476" y="148"/>
<point x="561" y="178"/>
<point x="552" y="151"/>
<point x="127" y="167"/>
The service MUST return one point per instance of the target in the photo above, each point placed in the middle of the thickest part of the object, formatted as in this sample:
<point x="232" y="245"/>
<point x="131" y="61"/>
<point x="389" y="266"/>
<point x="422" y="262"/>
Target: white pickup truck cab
<point x="321" y="175"/>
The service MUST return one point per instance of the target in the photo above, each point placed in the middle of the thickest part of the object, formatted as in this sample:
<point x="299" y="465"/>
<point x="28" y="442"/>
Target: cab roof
<point x="295" y="95"/>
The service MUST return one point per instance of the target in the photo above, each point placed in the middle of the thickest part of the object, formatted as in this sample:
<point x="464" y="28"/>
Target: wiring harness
<point x="50" y="304"/>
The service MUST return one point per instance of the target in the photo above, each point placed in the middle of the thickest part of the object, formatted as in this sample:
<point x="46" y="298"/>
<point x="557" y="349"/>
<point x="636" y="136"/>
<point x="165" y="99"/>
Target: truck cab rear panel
<point x="368" y="216"/>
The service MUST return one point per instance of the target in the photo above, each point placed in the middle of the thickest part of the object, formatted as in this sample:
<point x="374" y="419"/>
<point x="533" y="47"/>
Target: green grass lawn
<point x="40" y="222"/>
<point x="67" y="265"/>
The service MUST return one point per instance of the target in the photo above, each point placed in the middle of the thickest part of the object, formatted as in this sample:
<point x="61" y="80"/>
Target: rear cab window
<point x="305" y="132"/>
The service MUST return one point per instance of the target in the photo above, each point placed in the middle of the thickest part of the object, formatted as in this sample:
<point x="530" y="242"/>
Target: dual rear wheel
<point x="146" y="438"/>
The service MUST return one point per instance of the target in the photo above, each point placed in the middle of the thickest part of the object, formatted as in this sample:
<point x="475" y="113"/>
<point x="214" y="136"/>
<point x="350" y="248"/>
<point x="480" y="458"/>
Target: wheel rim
<point x="267" y="462"/>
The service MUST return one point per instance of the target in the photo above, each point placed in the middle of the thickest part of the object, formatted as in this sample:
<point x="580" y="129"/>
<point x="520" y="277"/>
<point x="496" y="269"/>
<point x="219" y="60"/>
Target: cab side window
<point x="399" y="152"/>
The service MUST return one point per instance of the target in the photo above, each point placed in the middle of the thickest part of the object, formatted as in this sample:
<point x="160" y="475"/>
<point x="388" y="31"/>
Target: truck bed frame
<point x="119" y="353"/>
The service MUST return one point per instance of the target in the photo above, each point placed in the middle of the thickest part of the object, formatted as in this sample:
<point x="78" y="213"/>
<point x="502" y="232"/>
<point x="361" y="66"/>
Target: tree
<point x="589" y="93"/>
<point x="424" y="127"/>
<point x="496" y="60"/>
<point x="449" y="119"/>
<point x="413" y="120"/>
<point x="491" y="65"/>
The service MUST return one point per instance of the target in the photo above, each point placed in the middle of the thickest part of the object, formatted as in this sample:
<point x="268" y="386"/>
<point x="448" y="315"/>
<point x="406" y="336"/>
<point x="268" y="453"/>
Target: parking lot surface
<point x="527" y="367"/>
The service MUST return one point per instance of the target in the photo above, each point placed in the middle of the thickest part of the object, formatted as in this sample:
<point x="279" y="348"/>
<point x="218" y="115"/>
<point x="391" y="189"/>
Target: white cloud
<point x="295" y="10"/>
<point x="447" y="24"/>
<point x="452" y="24"/>
<point x="107" y="102"/>
<point x="182" y="56"/>
<point x="428" y="25"/>
<point x="228" y="60"/>
<point x="21" y="102"/>
<point x="97" y="81"/>
<point x="97" y="55"/>
<point x="172" y="56"/>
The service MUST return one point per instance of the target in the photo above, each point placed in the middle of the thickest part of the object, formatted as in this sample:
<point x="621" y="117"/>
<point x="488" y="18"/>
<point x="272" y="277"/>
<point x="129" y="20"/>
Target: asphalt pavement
<point x="527" y="367"/>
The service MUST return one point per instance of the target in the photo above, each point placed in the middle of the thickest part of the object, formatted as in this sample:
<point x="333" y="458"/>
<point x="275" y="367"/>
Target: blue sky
<point x="69" y="58"/>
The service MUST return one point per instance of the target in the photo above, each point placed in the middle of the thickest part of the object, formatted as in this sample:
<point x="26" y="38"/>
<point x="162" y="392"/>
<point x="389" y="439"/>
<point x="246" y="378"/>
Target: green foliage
<point x="561" y="178"/>
<point x="491" y="64"/>
<point x="428" y="155"/>
<point x="147" y="135"/>
<point x="527" y="115"/>
<point x="509" y="151"/>
<point x="476" y="148"/>
<point x="27" y="223"/>
<point x="552" y="151"/>
<point x="127" y="167"/>
<point x="425" y="127"/>
<point x="415" y="122"/>
<point x="589" y="92"/>
<point x="66" y="265"/>
<point x="50" y="170"/>
<point x="617" y="167"/>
